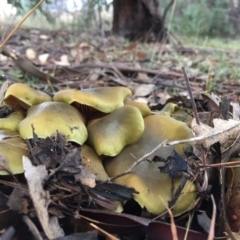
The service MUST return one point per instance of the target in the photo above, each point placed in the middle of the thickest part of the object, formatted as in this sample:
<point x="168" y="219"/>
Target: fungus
<point x="103" y="99"/>
<point x="146" y="179"/>
<point x="143" y="108"/>
<point x="20" y="95"/>
<point x="179" y="113"/>
<point x="92" y="162"/>
<point x="12" y="148"/>
<point x="110" y="134"/>
<point x="11" y="121"/>
<point x="49" y="117"/>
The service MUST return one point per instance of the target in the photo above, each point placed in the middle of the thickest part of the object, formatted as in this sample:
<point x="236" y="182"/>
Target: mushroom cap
<point x="110" y="134"/>
<point x="12" y="121"/>
<point x="20" y="95"/>
<point x="147" y="179"/>
<point x="12" y="148"/>
<point x="93" y="163"/>
<point x="143" y="108"/>
<point x="103" y="99"/>
<point x="49" y="117"/>
<point x="179" y="113"/>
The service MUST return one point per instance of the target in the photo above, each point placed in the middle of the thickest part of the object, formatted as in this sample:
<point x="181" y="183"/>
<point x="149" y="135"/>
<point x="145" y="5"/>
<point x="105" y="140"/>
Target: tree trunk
<point x="138" y="19"/>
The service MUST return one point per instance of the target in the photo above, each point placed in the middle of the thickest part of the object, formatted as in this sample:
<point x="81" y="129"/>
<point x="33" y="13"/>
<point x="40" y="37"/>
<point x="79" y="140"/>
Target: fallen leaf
<point x="3" y="58"/>
<point x="204" y="221"/>
<point x="18" y="202"/>
<point x="236" y="110"/>
<point x="63" y="61"/>
<point x="3" y="89"/>
<point x="30" y="54"/>
<point x="225" y="132"/>
<point x="144" y="90"/>
<point x="43" y="58"/>
<point x="44" y="37"/>
<point x="86" y="177"/>
<point x="41" y="198"/>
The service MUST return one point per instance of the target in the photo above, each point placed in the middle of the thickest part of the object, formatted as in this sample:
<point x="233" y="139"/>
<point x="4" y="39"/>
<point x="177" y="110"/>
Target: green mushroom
<point x="103" y="99"/>
<point x="143" y="108"/>
<point x="93" y="163"/>
<point x="12" y="121"/>
<point x="110" y="134"/>
<point x="21" y="96"/>
<point x="12" y="149"/>
<point x="49" y="117"/>
<point x="153" y="186"/>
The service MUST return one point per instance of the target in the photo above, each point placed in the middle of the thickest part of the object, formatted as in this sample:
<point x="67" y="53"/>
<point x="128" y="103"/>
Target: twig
<point x="190" y="218"/>
<point x="212" y="226"/>
<point x="32" y="228"/>
<point x="19" y="24"/>
<point x="191" y="96"/>
<point x="200" y="138"/>
<point x="226" y="164"/>
<point x="173" y="225"/>
<point x="121" y="67"/>
<point x="178" y="191"/>
<point x="108" y="235"/>
<point x="143" y="158"/>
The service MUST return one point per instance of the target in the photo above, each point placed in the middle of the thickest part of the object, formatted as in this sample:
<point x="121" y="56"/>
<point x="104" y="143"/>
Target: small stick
<point x="106" y="234"/>
<point x="226" y="164"/>
<point x="212" y="226"/>
<point x="143" y="158"/>
<point x="19" y="24"/>
<point x="191" y="96"/>
<point x="173" y="225"/>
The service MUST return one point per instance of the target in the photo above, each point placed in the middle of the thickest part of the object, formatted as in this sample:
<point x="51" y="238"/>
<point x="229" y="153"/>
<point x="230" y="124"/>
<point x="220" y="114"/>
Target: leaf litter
<point x="65" y="187"/>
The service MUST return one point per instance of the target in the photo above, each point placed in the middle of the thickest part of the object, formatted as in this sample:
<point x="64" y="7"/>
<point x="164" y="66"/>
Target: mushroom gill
<point x="147" y="179"/>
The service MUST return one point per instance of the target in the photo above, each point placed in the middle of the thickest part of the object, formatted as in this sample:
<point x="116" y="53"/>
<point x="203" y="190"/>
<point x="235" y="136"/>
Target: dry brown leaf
<point x="141" y="76"/>
<point x="224" y="132"/>
<point x="144" y="90"/>
<point x="86" y="177"/>
<point x="236" y="235"/>
<point x="3" y="89"/>
<point x="236" y="110"/>
<point x="3" y="58"/>
<point x="63" y="61"/>
<point x="131" y="46"/>
<point x="141" y="55"/>
<point x="30" y="54"/>
<point x="43" y="58"/>
<point x="44" y="37"/>
<point x="18" y="202"/>
<point x="41" y="198"/>
<point x="84" y="46"/>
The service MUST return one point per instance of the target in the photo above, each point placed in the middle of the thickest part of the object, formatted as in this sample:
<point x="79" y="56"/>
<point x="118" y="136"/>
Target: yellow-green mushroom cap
<point x="179" y="113"/>
<point x="12" y="121"/>
<point x="147" y="179"/>
<point x="20" y="95"/>
<point x="12" y="148"/>
<point x="49" y="117"/>
<point x="93" y="163"/>
<point x="103" y="99"/>
<point x="143" y="108"/>
<point x="110" y="134"/>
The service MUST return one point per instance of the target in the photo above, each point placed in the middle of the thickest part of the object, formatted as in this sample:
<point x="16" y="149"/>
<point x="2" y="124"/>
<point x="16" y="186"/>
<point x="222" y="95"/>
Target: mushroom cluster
<point x="113" y="131"/>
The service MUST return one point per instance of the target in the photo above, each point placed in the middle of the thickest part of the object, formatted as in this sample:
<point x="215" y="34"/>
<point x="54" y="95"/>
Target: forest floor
<point x="82" y="60"/>
<point x="54" y="60"/>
